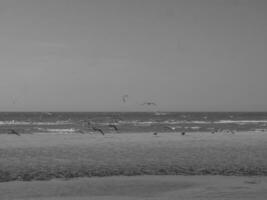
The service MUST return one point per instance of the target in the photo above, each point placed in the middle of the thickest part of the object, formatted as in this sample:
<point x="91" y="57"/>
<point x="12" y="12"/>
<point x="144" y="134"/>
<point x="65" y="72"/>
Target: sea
<point x="130" y="122"/>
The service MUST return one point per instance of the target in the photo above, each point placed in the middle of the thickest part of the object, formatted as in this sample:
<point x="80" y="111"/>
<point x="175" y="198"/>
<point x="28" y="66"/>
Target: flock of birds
<point x="170" y="128"/>
<point x="94" y="127"/>
<point x="125" y="97"/>
<point x="97" y="129"/>
<point x="112" y="125"/>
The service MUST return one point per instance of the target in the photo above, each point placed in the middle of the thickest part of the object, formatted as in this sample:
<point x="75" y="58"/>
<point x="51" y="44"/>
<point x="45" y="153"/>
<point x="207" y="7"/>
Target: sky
<point x="84" y="55"/>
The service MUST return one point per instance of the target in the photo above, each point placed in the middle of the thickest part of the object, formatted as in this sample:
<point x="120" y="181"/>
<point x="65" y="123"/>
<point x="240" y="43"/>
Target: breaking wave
<point x="13" y="122"/>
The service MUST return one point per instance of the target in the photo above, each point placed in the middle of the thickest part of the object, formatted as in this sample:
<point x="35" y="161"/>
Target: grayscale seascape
<point x="133" y="99"/>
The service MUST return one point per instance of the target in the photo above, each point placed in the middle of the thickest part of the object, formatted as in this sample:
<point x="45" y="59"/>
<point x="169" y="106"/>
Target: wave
<point x="56" y="130"/>
<point x="216" y="122"/>
<point x="13" y="122"/>
<point x="70" y="130"/>
<point x="240" y="121"/>
<point x="195" y="127"/>
<point x="138" y="122"/>
<point x="160" y="113"/>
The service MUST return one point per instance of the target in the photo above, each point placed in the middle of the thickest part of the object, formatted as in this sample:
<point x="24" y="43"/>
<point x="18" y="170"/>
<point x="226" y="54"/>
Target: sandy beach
<point x="55" y="166"/>
<point x="140" y="187"/>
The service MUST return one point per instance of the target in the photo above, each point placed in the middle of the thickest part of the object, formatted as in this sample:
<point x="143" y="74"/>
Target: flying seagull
<point x="149" y="104"/>
<point x="98" y="129"/>
<point x="125" y="97"/>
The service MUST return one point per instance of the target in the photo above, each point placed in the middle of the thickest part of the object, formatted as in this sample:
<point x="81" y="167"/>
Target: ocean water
<point x="126" y="122"/>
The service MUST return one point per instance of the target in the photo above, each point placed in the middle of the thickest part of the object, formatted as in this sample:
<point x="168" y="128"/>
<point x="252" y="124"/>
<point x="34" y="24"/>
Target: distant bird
<point x="155" y="133"/>
<point x="98" y="129"/>
<point x="125" y="97"/>
<point x="114" y="126"/>
<point x="12" y="131"/>
<point x="149" y="104"/>
<point x="183" y="133"/>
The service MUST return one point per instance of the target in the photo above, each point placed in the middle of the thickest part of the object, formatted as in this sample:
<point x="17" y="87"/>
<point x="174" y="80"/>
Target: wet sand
<point x="44" y="157"/>
<point x="140" y="187"/>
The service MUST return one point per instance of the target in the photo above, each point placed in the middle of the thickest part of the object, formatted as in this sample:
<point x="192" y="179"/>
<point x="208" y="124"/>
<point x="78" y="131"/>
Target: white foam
<point x="13" y="122"/>
<point x="56" y="131"/>
<point x="71" y="130"/>
<point x="240" y="121"/>
<point x="195" y="127"/>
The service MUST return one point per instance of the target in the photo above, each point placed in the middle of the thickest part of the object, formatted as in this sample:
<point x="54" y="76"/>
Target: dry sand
<point x="140" y="187"/>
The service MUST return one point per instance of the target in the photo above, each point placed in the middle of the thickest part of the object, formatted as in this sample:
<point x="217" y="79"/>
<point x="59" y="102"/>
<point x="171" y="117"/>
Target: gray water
<point x="126" y="122"/>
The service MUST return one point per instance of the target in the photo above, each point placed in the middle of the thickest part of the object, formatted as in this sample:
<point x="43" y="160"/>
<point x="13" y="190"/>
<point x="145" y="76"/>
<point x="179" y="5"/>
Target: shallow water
<point x="77" y="122"/>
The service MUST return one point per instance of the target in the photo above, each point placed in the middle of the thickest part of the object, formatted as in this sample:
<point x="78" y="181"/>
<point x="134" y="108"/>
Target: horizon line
<point x="131" y="111"/>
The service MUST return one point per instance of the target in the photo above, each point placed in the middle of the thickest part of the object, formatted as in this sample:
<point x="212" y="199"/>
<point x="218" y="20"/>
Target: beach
<point x="193" y="162"/>
<point x="140" y="187"/>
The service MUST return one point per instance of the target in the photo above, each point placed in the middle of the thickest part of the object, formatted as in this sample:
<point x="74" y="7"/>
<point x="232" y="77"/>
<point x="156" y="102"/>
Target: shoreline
<point x="139" y="187"/>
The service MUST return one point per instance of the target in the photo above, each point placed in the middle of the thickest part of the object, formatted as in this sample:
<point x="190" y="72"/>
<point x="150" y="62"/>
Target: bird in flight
<point x="149" y="104"/>
<point x="98" y="129"/>
<point x="125" y="98"/>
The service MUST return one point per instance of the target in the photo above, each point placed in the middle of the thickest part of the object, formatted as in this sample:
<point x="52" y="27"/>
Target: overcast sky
<point x="83" y="55"/>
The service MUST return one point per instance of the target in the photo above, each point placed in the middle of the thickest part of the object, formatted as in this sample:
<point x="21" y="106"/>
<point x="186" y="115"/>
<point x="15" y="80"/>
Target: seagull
<point x="125" y="97"/>
<point x="114" y="126"/>
<point x="12" y="131"/>
<point x="98" y="129"/>
<point x="149" y="104"/>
